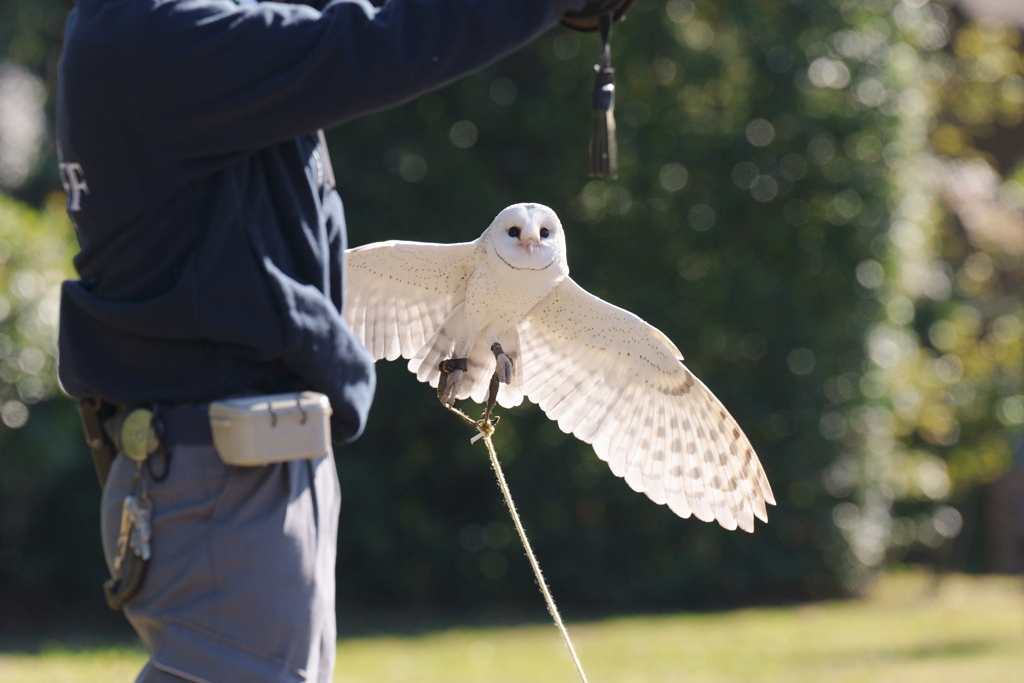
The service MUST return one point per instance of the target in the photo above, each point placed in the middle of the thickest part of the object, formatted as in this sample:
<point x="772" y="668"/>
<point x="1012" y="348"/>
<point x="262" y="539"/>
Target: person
<point x="212" y="265"/>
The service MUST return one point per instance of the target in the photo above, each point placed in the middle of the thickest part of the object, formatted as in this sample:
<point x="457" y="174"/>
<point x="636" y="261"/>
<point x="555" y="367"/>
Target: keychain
<point x="139" y="440"/>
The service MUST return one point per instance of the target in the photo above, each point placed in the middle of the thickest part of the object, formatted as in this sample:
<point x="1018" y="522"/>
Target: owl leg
<point x="502" y="374"/>
<point x="503" y="368"/>
<point x="452" y="371"/>
<point x="492" y="397"/>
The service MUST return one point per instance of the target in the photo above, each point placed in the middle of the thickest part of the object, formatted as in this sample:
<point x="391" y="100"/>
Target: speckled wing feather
<point x="615" y="382"/>
<point x="399" y="293"/>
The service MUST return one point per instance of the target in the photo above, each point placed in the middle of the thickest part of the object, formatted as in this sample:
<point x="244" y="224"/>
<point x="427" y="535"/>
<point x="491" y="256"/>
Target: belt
<point x="186" y="425"/>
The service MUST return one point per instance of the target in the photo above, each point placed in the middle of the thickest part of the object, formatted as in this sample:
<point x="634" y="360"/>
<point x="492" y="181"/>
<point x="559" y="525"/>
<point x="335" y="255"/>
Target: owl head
<point x="527" y="237"/>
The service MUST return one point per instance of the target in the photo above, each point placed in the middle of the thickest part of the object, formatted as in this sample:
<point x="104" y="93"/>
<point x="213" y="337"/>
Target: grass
<point x="905" y="631"/>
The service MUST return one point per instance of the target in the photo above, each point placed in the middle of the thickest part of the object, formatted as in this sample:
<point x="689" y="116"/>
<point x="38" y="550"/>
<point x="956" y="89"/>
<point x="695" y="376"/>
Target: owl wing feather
<point x="399" y="293"/>
<point x="618" y="383"/>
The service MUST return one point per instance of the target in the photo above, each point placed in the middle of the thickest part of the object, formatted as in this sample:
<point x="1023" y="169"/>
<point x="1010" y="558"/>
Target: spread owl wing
<point x="615" y="382"/>
<point x="399" y="293"/>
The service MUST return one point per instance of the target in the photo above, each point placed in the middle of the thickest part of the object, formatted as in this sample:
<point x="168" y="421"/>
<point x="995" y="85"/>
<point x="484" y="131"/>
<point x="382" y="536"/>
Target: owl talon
<point x="503" y="367"/>
<point x="448" y="383"/>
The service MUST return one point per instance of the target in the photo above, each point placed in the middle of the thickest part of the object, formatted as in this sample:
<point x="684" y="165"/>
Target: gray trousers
<point x="240" y="586"/>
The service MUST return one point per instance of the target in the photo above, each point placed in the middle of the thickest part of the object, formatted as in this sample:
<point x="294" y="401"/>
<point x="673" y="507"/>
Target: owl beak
<point x="531" y="246"/>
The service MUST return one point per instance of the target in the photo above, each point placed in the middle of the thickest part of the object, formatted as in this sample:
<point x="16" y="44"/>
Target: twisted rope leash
<point x="486" y="429"/>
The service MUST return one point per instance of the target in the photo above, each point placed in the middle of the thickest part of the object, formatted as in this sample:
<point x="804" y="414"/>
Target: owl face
<point x="527" y="237"/>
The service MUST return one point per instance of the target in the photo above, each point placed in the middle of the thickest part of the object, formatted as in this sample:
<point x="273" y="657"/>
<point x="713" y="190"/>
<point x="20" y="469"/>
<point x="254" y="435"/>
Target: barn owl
<point x="505" y="304"/>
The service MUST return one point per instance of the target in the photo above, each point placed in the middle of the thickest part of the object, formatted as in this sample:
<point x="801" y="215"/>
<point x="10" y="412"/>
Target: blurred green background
<point x="819" y="201"/>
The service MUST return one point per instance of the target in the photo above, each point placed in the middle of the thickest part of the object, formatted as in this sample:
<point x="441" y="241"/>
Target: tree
<point x="762" y="145"/>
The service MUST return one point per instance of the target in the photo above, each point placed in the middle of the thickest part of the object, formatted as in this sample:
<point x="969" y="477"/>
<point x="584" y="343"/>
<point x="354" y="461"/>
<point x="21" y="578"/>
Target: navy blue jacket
<point x="212" y="239"/>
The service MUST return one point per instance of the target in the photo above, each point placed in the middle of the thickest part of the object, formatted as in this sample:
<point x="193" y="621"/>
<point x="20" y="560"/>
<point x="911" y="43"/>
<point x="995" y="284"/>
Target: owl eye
<point x="544" y="232"/>
<point x="513" y="232"/>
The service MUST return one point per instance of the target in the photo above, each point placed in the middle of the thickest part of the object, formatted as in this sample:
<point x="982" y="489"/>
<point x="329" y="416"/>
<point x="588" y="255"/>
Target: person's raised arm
<point x="215" y="78"/>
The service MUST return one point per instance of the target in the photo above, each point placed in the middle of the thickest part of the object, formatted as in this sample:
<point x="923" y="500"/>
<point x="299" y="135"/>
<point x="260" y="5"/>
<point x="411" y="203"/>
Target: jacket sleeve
<point x="215" y="78"/>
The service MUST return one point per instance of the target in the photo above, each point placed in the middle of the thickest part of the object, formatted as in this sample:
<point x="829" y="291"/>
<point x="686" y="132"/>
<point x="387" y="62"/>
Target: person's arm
<point x="215" y="78"/>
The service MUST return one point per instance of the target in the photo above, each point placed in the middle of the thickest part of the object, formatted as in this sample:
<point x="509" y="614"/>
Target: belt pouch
<point x="259" y="430"/>
<point x="93" y="411"/>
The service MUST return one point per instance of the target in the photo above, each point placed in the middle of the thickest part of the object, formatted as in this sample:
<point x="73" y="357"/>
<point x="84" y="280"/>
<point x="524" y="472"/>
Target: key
<point x="141" y="531"/>
<point x="135" y="533"/>
<point x="128" y="508"/>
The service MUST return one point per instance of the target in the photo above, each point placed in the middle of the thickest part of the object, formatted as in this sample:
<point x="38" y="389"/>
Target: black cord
<point x="606" y="34"/>
<point x="161" y="448"/>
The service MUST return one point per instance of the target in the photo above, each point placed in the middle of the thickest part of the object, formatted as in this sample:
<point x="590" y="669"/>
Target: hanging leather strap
<point x="93" y="412"/>
<point x="604" y="156"/>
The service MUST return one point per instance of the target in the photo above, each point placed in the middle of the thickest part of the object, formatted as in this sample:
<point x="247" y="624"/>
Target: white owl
<point x="604" y="374"/>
